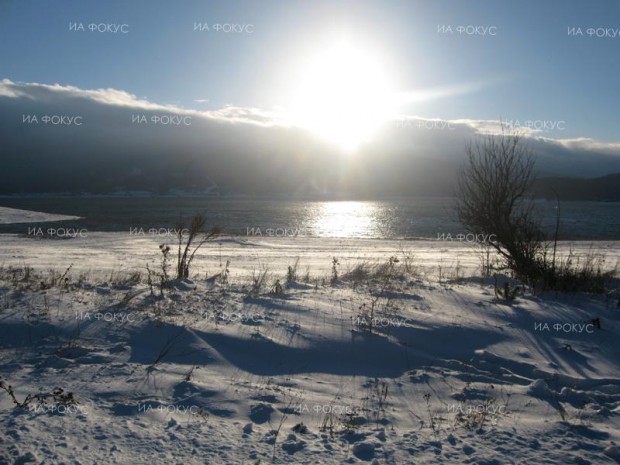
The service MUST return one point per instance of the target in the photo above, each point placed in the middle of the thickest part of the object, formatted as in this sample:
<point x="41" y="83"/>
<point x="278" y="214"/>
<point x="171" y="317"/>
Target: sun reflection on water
<point x="346" y="219"/>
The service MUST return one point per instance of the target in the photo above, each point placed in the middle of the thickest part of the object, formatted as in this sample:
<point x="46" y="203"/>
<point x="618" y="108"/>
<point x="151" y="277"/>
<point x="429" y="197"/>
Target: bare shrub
<point x="197" y="236"/>
<point x="493" y="201"/>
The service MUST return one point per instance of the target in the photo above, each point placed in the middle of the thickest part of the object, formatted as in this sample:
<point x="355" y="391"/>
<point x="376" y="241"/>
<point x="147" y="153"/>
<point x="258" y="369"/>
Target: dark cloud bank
<point x="115" y="145"/>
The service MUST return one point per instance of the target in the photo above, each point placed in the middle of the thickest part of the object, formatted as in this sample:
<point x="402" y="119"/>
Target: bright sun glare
<point x="343" y="94"/>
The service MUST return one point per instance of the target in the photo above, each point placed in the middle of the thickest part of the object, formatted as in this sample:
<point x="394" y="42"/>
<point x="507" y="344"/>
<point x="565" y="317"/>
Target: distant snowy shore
<point x="14" y="215"/>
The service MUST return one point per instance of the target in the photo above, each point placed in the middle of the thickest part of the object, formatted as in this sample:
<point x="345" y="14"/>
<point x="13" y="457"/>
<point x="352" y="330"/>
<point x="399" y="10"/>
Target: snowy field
<point x="408" y="361"/>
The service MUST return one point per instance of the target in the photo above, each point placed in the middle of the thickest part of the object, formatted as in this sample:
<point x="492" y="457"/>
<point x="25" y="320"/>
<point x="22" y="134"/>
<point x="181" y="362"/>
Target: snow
<point x="214" y="373"/>
<point x="14" y="215"/>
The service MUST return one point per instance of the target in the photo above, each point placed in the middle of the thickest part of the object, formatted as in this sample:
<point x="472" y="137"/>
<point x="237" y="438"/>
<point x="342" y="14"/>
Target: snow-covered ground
<point x="14" y="215"/>
<point x="215" y="372"/>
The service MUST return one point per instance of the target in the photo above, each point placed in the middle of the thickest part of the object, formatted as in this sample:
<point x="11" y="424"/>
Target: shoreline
<point x="117" y="250"/>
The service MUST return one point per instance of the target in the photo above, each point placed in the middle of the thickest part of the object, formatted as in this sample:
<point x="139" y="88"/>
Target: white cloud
<point x="590" y="145"/>
<point x="121" y="98"/>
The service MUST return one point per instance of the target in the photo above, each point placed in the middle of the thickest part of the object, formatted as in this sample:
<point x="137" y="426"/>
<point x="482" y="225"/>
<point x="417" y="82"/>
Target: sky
<point x="329" y="67"/>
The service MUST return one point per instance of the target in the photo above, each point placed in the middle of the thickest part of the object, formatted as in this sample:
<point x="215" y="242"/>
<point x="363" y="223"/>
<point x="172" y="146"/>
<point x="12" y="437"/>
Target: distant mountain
<point x="119" y="148"/>
<point x="606" y="188"/>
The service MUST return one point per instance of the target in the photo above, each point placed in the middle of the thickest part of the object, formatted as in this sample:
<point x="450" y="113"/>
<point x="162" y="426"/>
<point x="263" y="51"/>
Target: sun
<point x="343" y="94"/>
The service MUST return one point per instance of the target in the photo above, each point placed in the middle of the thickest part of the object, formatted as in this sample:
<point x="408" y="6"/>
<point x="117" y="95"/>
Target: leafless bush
<point x="492" y="202"/>
<point x="291" y="273"/>
<point x="197" y="236"/>
<point x="259" y="280"/>
<point x="58" y="395"/>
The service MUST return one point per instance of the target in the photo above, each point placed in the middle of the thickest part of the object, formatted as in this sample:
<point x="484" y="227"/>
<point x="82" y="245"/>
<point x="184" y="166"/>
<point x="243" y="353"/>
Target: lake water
<point x="395" y="218"/>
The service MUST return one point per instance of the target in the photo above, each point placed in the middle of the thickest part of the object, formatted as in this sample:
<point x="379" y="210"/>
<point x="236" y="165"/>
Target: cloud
<point x="590" y="145"/>
<point x="9" y="89"/>
<point x="435" y="93"/>
<point x="46" y="93"/>
<point x="235" y="114"/>
<point x="126" y="142"/>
